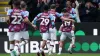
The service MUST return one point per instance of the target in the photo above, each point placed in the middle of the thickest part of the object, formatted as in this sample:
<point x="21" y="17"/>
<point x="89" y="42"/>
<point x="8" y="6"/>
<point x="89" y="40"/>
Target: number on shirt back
<point x="17" y="19"/>
<point x="45" y="21"/>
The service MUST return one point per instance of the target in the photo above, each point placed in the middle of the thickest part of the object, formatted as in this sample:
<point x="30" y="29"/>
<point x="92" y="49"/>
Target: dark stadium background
<point x="93" y="16"/>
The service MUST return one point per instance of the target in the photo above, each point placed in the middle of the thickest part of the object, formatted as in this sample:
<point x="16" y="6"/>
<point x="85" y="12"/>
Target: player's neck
<point x="24" y="9"/>
<point x="15" y="8"/>
<point x="45" y="11"/>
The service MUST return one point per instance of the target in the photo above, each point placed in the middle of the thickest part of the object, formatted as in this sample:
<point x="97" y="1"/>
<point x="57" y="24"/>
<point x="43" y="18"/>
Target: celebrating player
<point x="45" y="19"/>
<point x="52" y="31"/>
<point x="73" y="15"/>
<point x="66" y="29"/>
<point x="15" y="20"/>
<point x="24" y="32"/>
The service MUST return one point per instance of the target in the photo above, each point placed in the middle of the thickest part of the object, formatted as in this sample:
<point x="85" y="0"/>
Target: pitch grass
<point x="74" y="54"/>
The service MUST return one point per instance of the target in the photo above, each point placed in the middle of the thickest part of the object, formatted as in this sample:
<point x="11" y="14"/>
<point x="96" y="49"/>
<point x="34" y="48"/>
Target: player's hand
<point x="72" y="20"/>
<point x="34" y="26"/>
<point x="59" y="31"/>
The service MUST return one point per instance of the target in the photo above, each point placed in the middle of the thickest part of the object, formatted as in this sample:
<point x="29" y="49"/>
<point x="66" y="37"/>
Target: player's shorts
<point x="52" y="34"/>
<point x="14" y="36"/>
<point x="45" y="36"/>
<point x="64" y="35"/>
<point x="25" y="34"/>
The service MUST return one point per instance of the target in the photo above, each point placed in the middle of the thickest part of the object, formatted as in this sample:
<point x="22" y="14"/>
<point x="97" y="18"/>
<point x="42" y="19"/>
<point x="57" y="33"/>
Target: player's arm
<point x="74" y="15"/>
<point x="8" y="16"/>
<point x="58" y="14"/>
<point x="67" y="19"/>
<point x="35" y="20"/>
<point x="60" y="29"/>
<point x="26" y="20"/>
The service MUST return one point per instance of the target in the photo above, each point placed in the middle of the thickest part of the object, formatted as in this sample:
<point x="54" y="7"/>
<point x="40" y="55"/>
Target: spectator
<point x="53" y="2"/>
<point x="98" y="20"/>
<point x="77" y="12"/>
<point x="88" y="13"/>
<point x="32" y="8"/>
<point x="82" y="12"/>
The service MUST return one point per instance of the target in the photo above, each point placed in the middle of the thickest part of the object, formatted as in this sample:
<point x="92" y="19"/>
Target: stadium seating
<point x="3" y="9"/>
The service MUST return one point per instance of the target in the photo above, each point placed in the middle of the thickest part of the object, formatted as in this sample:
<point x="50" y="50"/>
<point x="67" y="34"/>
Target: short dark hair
<point x="64" y="10"/>
<point x="16" y="3"/>
<point x="23" y="5"/>
<point x="45" y="7"/>
<point x="53" y="6"/>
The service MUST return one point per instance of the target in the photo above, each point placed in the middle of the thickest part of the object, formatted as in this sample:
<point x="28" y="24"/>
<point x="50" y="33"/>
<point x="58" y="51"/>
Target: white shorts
<point x="25" y="34"/>
<point x="64" y="35"/>
<point x="73" y="25"/>
<point x="52" y="34"/>
<point x="45" y="36"/>
<point x="14" y="36"/>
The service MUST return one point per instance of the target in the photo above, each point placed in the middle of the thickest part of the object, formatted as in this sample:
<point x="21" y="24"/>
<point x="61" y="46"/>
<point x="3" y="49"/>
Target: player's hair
<point x="16" y="4"/>
<point x="23" y="5"/>
<point x="53" y="6"/>
<point x="64" y="10"/>
<point x="45" y="8"/>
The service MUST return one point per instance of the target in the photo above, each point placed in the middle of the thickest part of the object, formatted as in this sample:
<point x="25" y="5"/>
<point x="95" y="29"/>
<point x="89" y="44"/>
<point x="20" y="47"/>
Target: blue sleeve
<point x="73" y="13"/>
<point x="52" y="19"/>
<point x="58" y="14"/>
<point x="35" y="19"/>
<point x="25" y="13"/>
<point x="9" y="12"/>
<point x="61" y="14"/>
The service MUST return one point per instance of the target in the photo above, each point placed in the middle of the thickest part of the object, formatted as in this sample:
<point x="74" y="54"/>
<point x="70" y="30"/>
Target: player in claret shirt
<point x="52" y="31"/>
<point x="45" y="19"/>
<point x="66" y="29"/>
<point x="24" y="31"/>
<point x="15" y="18"/>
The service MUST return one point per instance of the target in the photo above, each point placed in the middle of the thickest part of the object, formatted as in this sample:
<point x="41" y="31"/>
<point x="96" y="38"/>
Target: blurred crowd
<point x="86" y="10"/>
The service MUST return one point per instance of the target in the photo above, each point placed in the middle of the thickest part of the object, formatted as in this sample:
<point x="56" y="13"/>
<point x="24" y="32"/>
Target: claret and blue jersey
<point x="45" y="20"/>
<point x="16" y="17"/>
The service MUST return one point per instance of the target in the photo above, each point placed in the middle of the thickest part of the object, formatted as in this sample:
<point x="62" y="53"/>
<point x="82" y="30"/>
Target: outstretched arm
<point x="67" y="19"/>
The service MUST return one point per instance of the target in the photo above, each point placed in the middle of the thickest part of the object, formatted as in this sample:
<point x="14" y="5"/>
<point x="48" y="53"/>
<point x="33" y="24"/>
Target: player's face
<point x="53" y="9"/>
<point x="68" y="3"/>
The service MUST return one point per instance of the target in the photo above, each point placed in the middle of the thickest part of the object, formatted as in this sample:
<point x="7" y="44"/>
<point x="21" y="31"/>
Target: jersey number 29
<point x="44" y="21"/>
